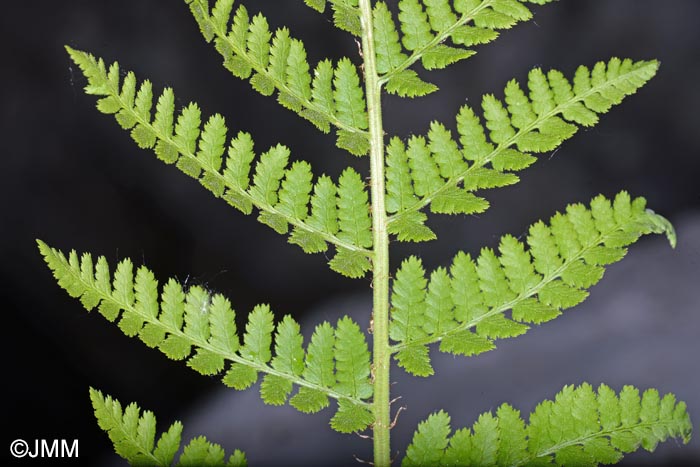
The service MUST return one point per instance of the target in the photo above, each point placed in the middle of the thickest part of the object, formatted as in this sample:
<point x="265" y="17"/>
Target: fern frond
<point x="579" y="427"/>
<point x="276" y="62"/>
<point x="437" y="33"/>
<point x="200" y="328"/>
<point x="318" y="5"/>
<point x="133" y="432"/>
<point x="465" y="310"/>
<point x="346" y="14"/>
<point x="353" y="213"/>
<point x="445" y="175"/>
<point x="282" y="194"/>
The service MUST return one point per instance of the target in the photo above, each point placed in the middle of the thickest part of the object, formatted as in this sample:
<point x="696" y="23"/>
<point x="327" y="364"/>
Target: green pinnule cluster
<point x="580" y="427"/>
<point x="465" y="309"/>
<point x="462" y="308"/>
<point x="201" y="329"/>
<point x="133" y="434"/>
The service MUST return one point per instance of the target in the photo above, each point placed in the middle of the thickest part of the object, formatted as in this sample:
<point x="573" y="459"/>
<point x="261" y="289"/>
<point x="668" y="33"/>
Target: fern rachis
<point x="463" y="307"/>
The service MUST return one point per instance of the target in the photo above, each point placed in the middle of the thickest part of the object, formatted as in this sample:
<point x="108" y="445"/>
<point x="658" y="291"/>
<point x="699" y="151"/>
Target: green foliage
<point x="438" y="172"/>
<point x="346" y="14"/>
<point x="133" y="434"/>
<point x="199" y="327"/>
<point x="437" y="33"/>
<point x="579" y="427"/>
<point x="282" y="193"/>
<point x="496" y="297"/>
<point x="464" y="307"/>
<point x="276" y="62"/>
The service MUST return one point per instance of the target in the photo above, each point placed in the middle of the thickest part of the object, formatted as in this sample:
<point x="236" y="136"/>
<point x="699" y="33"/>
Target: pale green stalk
<point x="380" y="280"/>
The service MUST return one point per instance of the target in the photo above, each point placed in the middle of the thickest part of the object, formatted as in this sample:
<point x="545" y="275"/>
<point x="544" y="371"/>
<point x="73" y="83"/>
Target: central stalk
<point x="380" y="280"/>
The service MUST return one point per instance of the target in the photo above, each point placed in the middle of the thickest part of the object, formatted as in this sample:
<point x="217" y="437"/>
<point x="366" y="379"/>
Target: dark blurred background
<point x="75" y="180"/>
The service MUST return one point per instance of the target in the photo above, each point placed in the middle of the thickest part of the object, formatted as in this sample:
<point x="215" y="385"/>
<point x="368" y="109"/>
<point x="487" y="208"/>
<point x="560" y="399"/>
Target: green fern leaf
<point x="466" y="343"/>
<point x="258" y="335"/>
<point x="355" y="143"/>
<point x="472" y="35"/>
<point x="349" y="97"/>
<point x="207" y="363"/>
<point x="187" y="128"/>
<point x="296" y="191"/>
<point x="426" y="27"/>
<point x="579" y="427"/>
<point x="212" y="143"/>
<point x="424" y="169"/>
<point x="238" y="165"/>
<point x="308" y="241"/>
<point x="238" y="459"/>
<point x="466" y="293"/>
<point x="258" y="41"/>
<point x="513" y="8"/>
<point x="497" y="120"/>
<point x="534" y="311"/>
<point x="464" y="309"/>
<point x="492" y="19"/>
<point x="346" y="16"/>
<point x="269" y="172"/>
<point x="497" y="295"/>
<point x="349" y="263"/>
<point x="407" y="83"/>
<point x="457" y="200"/>
<point x="289" y="351"/>
<point x="200" y="328"/>
<point x="519" y="106"/>
<point x="414" y="25"/>
<point x="537" y="122"/>
<point x="472" y="136"/>
<point x="352" y="360"/>
<point x="492" y="278"/>
<point x="275" y="390"/>
<point x="320" y="365"/>
<point x="322" y="94"/>
<point x="412" y="228"/>
<point x="224" y="335"/>
<point x="240" y="377"/>
<point x="282" y="194"/>
<point x="447" y="153"/>
<point x="199" y="451"/>
<point x="87" y="274"/>
<point x="415" y="359"/>
<point x="318" y="5"/>
<point x="324" y="206"/>
<point x="221" y="14"/>
<point x="408" y="302"/>
<point x="441" y="56"/>
<point x="319" y="369"/>
<point x="429" y="441"/>
<point x="132" y="433"/>
<point x="517" y="265"/>
<point x="399" y="185"/>
<point x="440" y="14"/>
<point x="439" y="305"/>
<point x="143" y="135"/>
<point x="309" y="400"/>
<point x="661" y="225"/>
<point x="351" y="418"/>
<point x="386" y="38"/>
<point x="298" y="76"/>
<point x="353" y="210"/>
<point x="279" y="56"/>
<point x="276" y="62"/>
<point x="197" y="303"/>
